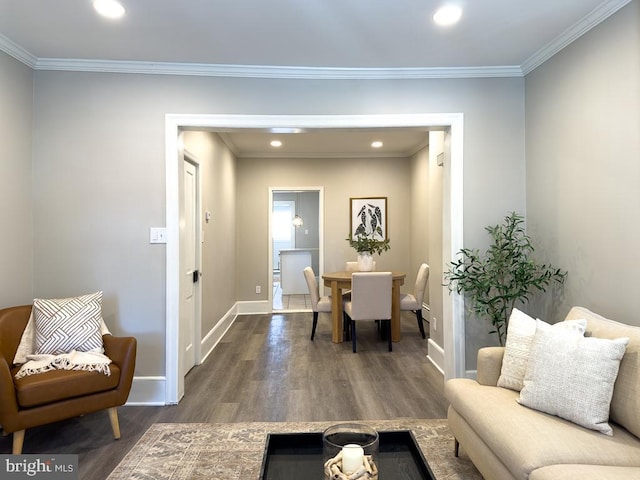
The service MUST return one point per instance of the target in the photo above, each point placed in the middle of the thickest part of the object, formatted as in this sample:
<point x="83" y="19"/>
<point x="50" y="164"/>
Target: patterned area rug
<point x="234" y="451"/>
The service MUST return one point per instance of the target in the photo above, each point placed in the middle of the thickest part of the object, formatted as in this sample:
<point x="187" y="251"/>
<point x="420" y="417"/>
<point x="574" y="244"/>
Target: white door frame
<point x="453" y="311"/>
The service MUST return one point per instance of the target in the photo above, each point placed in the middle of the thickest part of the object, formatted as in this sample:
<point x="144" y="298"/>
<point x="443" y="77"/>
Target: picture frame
<point x="368" y="217"/>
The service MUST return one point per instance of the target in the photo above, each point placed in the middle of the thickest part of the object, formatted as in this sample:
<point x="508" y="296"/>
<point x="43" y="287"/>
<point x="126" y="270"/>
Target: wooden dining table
<point x="339" y="281"/>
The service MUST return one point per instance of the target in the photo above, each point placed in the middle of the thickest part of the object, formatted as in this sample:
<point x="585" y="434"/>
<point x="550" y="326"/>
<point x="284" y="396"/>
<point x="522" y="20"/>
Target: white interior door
<point x="189" y="273"/>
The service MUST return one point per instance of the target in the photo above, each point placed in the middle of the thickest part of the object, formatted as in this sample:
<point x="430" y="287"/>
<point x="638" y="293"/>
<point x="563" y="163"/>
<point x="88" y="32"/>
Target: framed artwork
<point x="368" y="217"/>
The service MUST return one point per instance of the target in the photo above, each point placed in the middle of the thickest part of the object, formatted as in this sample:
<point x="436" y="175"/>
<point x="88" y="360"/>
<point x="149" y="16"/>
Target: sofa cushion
<point x="572" y="376"/>
<point x="625" y="402"/>
<point x="48" y="387"/>
<point x="525" y="439"/>
<point x="520" y="333"/>
<point x="585" y="472"/>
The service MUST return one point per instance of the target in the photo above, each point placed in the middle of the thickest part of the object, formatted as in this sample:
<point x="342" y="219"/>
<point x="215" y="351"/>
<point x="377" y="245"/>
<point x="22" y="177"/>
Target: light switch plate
<point x="157" y="235"/>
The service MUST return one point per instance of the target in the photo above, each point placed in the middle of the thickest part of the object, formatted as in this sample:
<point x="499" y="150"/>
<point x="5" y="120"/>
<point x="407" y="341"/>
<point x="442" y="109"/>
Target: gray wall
<point x="583" y="167"/>
<point x="16" y="206"/>
<point x="419" y="216"/>
<point x="427" y="228"/>
<point x="99" y="176"/>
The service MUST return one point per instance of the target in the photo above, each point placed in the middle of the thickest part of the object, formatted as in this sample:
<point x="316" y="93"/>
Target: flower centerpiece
<point x="366" y="243"/>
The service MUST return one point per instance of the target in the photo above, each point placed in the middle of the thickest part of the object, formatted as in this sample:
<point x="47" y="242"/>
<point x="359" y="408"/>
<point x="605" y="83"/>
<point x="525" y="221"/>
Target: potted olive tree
<point x="505" y="274"/>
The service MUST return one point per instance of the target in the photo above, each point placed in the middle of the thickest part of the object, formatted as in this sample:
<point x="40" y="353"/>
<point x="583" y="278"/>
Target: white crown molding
<point x="597" y="15"/>
<point x="17" y="52"/>
<point x="279" y="72"/>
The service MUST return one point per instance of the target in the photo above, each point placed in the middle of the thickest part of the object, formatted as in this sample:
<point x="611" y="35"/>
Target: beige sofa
<point x="506" y="440"/>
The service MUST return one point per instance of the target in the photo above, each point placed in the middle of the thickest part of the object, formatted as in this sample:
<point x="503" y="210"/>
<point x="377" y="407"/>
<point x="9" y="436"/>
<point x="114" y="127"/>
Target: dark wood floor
<point x="266" y="369"/>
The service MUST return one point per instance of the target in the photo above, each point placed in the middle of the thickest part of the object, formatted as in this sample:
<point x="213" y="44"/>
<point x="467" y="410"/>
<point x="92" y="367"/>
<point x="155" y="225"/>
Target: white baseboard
<point x="253" y="308"/>
<point x="147" y="391"/>
<point x="436" y="355"/>
<point x="214" y="336"/>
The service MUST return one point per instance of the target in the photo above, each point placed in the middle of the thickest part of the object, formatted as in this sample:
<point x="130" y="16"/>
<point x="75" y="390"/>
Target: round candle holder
<point x="351" y="436"/>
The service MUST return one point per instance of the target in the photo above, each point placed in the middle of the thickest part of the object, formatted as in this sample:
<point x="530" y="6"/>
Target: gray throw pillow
<point x="572" y="377"/>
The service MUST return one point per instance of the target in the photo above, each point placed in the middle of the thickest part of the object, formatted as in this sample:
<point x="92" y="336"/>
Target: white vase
<point x="365" y="262"/>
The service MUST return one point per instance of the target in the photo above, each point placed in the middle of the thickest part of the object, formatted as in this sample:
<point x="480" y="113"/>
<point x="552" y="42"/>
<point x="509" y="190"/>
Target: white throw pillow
<point x="520" y="333"/>
<point x="66" y="324"/>
<point x="572" y="376"/>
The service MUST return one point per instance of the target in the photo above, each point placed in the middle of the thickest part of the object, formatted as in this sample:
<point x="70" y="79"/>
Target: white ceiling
<point x="298" y="33"/>
<point x="339" y="143"/>
<point x="299" y="39"/>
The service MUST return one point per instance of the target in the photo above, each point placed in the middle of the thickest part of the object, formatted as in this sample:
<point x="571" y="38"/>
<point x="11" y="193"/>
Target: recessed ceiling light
<point x="109" y="8"/>
<point x="376" y="144"/>
<point x="447" y="15"/>
<point x="276" y="143"/>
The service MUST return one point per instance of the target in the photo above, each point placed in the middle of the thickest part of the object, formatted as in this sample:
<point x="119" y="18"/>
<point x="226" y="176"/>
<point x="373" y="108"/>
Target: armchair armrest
<point x="122" y="352"/>
<point x="8" y="401"/>
<point x="489" y="365"/>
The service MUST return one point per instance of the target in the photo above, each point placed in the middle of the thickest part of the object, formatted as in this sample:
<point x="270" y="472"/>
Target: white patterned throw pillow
<point x="520" y="333"/>
<point x="66" y="324"/>
<point x="572" y="377"/>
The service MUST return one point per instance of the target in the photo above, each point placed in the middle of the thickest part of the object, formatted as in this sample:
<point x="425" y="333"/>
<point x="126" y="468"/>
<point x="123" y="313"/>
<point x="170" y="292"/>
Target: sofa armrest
<point x="489" y="365"/>
<point x="122" y="352"/>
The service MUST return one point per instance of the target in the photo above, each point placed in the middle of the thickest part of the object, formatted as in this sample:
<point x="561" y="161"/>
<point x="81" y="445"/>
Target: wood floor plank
<point x="265" y="368"/>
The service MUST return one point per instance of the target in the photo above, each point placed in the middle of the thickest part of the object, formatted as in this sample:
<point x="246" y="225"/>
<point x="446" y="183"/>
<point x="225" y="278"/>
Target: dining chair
<point x="346" y="294"/>
<point x="318" y="303"/>
<point x="370" y="300"/>
<point x="353" y="266"/>
<point x="412" y="302"/>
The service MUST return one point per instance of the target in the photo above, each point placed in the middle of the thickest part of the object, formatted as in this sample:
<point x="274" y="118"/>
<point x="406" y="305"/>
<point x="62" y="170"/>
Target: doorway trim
<point x="453" y="312"/>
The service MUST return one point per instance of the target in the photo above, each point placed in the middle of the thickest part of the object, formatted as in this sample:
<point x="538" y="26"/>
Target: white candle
<point x="352" y="458"/>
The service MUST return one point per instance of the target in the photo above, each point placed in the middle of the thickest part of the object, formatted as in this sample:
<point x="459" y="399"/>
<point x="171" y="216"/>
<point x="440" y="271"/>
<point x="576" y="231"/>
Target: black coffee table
<point x="299" y="455"/>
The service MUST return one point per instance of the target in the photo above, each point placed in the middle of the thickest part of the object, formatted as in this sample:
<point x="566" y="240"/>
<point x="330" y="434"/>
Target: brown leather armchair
<point x="59" y="394"/>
